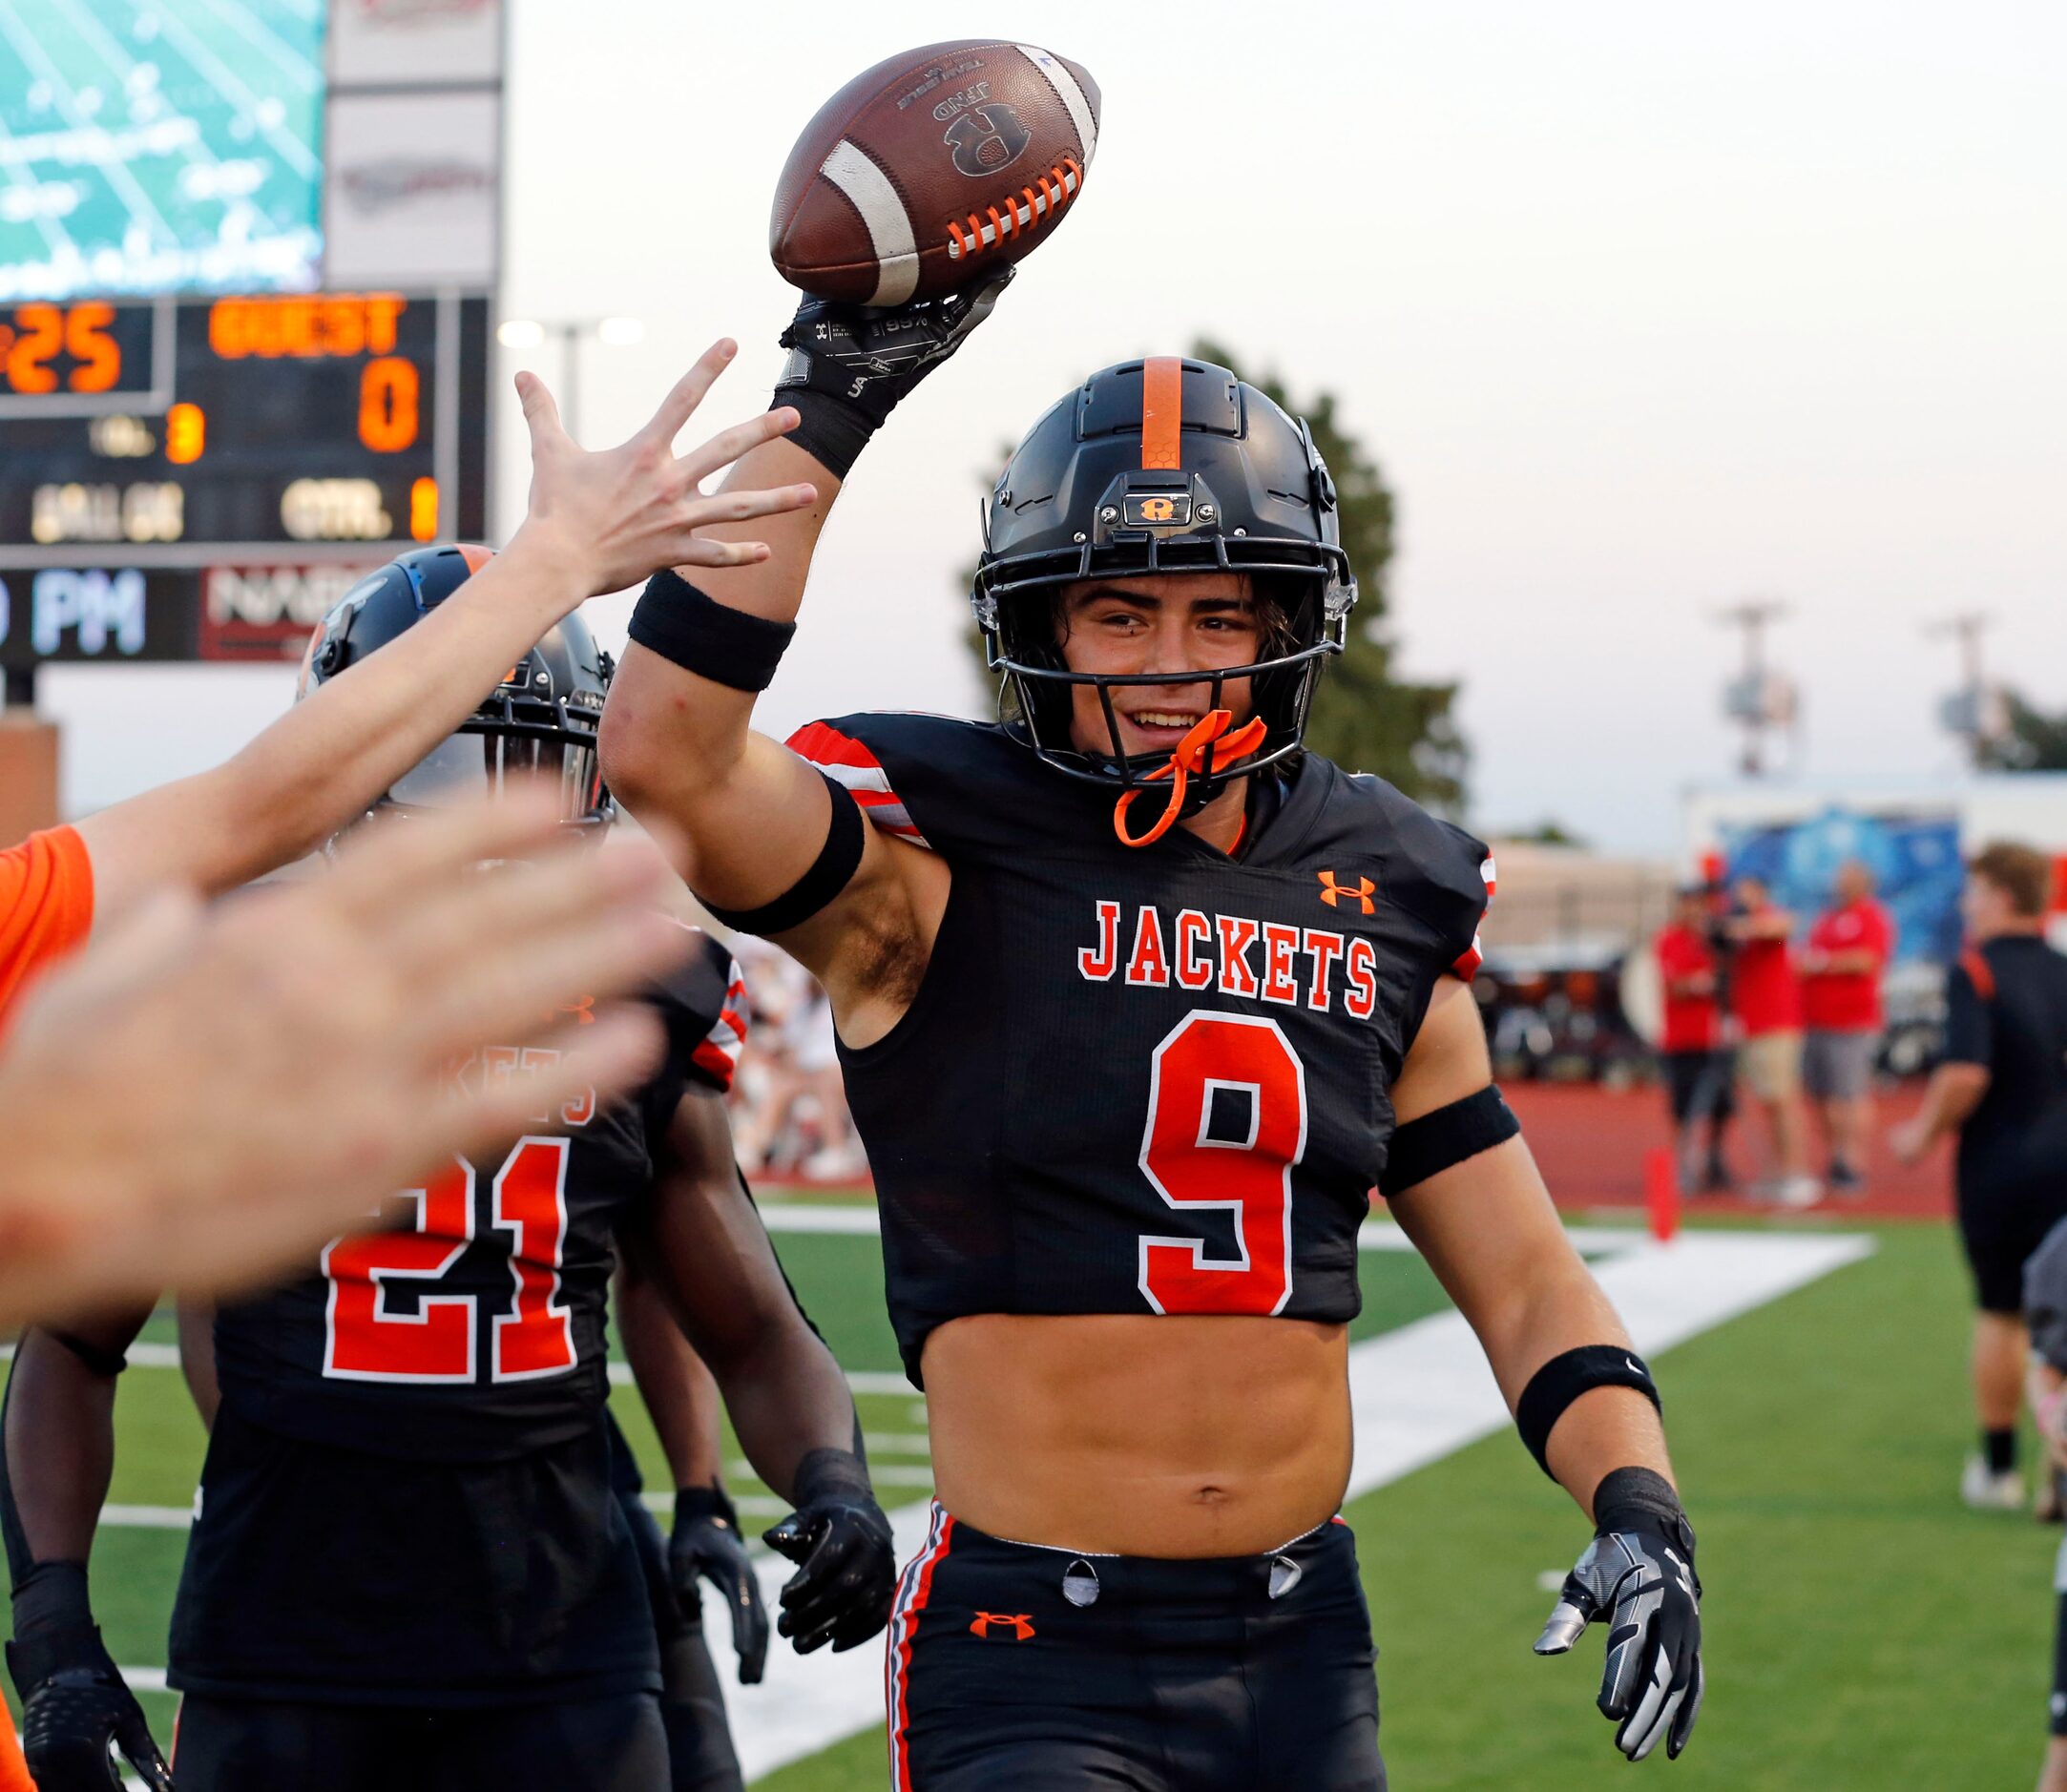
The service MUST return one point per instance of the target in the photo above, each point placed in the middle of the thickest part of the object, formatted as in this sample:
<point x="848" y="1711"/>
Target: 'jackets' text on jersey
<point x="1142" y="1080"/>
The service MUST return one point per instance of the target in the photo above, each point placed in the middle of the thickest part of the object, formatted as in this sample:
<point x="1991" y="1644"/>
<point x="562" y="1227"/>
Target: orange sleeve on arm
<point x="46" y="906"/>
<point x="13" y="1769"/>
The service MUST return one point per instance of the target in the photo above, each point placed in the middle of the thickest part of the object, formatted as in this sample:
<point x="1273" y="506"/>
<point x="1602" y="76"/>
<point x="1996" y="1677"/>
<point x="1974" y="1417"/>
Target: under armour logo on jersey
<point x="1019" y="1623"/>
<point x="1335" y="894"/>
<point x="581" y="1007"/>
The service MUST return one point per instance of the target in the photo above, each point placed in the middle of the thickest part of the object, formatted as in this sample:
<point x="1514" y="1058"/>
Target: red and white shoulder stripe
<point x="717" y="1054"/>
<point x="845" y="759"/>
<point x="1474" y="955"/>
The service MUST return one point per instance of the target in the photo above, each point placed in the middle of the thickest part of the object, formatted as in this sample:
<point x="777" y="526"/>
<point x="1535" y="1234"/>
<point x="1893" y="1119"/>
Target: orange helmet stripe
<point x="1162" y="411"/>
<point x="476" y="556"/>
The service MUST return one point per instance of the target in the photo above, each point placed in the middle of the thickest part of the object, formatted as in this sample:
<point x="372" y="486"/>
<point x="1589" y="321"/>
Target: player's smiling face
<point x="1181" y="623"/>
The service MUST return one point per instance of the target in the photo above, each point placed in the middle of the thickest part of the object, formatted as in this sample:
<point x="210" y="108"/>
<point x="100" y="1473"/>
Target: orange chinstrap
<point x="1006" y="223"/>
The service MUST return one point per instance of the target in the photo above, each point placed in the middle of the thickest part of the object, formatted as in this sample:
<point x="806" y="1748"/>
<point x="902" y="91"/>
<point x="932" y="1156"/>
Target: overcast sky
<point x="1641" y="309"/>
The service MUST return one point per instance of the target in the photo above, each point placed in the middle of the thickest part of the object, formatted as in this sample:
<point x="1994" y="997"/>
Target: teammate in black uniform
<point x="410" y="1565"/>
<point x="681" y="1397"/>
<point x="1137" y="1001"/>
<point x="2003" y="1089"/>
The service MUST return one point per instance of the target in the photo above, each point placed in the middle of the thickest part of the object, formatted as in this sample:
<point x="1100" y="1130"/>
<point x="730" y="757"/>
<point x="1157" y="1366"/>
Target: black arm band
<point x="831" y="433"/>
<point x="109" y="1363"/>
<point x="693" y="1503"/>
<point x="702" y="636"/>
<point x="1447" y="1135"/>
<point x="832" y="1474"/>
<point x="828" y="875"/>
<point x="1626" y="1497"/>
<point x="1563" y="1379"/>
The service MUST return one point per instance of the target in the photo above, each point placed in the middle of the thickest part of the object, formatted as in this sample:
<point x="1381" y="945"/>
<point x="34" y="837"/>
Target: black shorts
<point x="2001" y="1224"/>
<point x="1699" y="1085"/>
<point x="265" y="1745"/>
<point x="326" y="1576"/>
<point x="1020" y="1669"/>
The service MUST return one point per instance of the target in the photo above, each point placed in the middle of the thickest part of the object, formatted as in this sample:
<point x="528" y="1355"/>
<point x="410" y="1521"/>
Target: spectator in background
<point x="1848" y="950"/>
<point x="1765" y="997"/>
<point x="1697" y="1066"/>
<point x="2003" y="1089"/>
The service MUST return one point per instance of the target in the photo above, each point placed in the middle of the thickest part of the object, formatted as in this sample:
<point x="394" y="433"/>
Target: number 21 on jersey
<point x="365" y="1342"/>
<point x="1226" y="1124"/>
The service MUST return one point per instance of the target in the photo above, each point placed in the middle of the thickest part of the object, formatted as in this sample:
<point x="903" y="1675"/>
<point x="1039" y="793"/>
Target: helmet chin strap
<point x="1189" y="760"/>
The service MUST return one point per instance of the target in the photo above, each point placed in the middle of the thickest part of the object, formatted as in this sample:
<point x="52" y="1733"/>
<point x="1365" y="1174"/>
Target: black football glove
<point x="842" y="1590"/>
<point x="1639" y="1574"/>
<point x="706" y="1545"/>
<point x="75" y="1709"/>
<point x="849" y="365"/>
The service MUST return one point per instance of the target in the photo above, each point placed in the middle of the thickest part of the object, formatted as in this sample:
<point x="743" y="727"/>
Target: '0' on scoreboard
<point x="185" y="479"/>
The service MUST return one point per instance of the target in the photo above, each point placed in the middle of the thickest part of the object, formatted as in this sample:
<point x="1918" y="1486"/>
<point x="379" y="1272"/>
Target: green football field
<point x="1864" y="1631"/>
<point x="151" y="145"/>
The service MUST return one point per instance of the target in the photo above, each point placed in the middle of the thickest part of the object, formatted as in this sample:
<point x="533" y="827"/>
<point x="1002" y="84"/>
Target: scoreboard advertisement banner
<point x="197" y="478"/>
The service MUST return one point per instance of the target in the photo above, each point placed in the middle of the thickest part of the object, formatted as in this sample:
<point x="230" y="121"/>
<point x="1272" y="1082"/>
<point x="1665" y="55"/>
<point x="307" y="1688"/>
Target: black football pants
<point x="1020" y="1669"/>
<point x="263" y="1745"/>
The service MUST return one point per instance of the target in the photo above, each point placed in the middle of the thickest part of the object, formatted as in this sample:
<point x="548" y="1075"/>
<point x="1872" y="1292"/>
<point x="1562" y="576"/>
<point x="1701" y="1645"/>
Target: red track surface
<point x="1591" y="1143"/>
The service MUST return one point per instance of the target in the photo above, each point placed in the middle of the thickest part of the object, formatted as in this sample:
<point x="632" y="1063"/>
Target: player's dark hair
<point x="2022" y="873"/>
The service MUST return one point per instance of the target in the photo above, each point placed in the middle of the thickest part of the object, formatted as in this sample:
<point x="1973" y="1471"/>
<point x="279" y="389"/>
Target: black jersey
<point x="408" y="1495"/>
<point x="479" y="1332"/>
<point x="1150" y="1080"/>
<point x="2007" y="1011"/>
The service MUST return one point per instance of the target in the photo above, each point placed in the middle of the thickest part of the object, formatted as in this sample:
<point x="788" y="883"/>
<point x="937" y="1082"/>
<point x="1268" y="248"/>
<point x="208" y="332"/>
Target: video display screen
<point x="160" y="146"/>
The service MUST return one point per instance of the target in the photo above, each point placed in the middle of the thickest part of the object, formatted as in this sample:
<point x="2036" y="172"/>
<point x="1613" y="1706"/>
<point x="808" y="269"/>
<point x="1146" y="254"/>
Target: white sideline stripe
<point x="1419" y="1393"/>
<point x="148" y="1518"/>
<point x="883" y="214"/>
<point x="1424" y="1392"/>
<point x="157" y="1355"/>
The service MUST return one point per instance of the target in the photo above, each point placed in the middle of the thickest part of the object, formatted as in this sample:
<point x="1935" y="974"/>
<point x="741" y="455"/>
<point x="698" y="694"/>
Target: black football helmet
<point x="540" y="722"/>
<point x="1162" y="465"/>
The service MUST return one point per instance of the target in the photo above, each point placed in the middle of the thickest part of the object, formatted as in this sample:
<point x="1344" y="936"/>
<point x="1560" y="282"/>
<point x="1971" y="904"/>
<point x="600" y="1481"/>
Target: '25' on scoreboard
<point x="186" y="432"/>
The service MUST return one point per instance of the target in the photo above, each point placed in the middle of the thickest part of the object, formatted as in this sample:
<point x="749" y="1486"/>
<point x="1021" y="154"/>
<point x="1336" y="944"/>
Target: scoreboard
<point x="199" y="478"/>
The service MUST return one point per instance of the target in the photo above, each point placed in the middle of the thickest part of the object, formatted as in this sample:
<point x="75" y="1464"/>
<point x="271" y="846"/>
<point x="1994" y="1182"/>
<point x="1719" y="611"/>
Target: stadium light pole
<point x="616" y="332"/>
<point x="1974" y="712"/>
<point x="1759" y="698"/>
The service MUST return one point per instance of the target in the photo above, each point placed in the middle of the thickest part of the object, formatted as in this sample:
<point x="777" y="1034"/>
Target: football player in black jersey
<point x="1137" y="1001"/>
<point x="410" y="1565"/>
<point x="681" y="1397"/>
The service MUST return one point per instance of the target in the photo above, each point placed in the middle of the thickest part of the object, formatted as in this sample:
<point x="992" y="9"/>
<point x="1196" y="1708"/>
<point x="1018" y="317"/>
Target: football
<point x="922" y="175"/>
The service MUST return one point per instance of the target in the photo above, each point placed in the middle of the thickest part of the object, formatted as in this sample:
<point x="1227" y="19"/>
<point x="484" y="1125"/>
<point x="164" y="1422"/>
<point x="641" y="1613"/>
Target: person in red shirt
<point x="1696" y="1068"/>
<point x="1765" y="997"/>
<point x="1849" y="948"/>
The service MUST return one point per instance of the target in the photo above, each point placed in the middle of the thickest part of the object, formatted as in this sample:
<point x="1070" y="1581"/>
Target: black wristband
<point x="1626" y="1497"/>
<point x="830" y="432"/>
<point x="1563" y="1379"/>
<point x="1447" y="1135"/>
<point x="53" y="1626"/>
<point x="833" y="1474"/>
<point x="714" y="641"/>
<point x="828" y="874"/>
<point x="693" y="1503"/>
<point x="51" y="1596"/>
